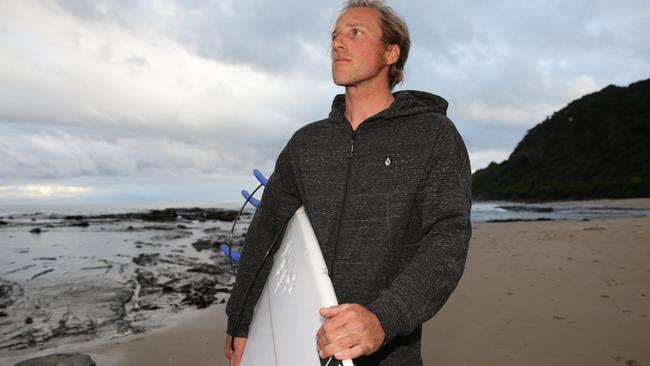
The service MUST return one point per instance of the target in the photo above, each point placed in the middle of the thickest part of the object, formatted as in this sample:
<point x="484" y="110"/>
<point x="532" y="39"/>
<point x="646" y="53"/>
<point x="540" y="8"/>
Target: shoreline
<point x="641" y="203"/>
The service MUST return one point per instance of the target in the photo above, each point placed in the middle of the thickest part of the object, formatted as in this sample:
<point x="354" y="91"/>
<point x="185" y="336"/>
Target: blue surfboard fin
<point x="234" y="254"/>
<point x="254" y="201"/>
<point x="260" y="177"/>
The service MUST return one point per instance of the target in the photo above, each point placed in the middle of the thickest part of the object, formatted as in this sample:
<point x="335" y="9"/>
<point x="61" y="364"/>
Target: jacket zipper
<point x="345" y="198"/>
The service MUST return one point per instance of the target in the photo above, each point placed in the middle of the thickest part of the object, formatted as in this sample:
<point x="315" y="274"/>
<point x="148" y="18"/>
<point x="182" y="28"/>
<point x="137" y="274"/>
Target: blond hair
<point x="394" y="31"/>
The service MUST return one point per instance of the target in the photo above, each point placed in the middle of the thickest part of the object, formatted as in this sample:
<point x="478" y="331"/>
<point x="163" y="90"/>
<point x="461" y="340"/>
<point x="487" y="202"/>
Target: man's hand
<point x="350" y="331"/>
<point x="234" y="356"/>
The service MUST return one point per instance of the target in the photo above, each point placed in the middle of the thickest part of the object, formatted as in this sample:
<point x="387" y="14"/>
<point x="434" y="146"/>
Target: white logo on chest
<point x="387" y="161"/>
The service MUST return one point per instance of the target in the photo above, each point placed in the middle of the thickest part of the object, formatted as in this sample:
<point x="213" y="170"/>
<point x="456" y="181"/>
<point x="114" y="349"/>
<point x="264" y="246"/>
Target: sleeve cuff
<point x="388" y="316"/>
<point x="233" y="330"/>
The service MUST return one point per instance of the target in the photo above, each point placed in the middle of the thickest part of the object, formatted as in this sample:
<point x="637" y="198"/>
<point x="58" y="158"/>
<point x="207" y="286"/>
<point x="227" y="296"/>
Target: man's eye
<point x="356" y="32"/>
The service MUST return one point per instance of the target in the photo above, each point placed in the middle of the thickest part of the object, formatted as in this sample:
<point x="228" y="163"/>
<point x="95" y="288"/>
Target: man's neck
<point x="362" y="103"/>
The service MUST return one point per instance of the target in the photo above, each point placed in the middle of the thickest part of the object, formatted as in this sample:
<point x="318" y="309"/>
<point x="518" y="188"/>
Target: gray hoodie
<point x="390" y="206"/>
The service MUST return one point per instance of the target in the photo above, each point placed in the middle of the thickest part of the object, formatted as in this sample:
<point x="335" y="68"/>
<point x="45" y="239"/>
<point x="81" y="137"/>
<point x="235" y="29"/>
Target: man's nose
<point x="338" y="43"/>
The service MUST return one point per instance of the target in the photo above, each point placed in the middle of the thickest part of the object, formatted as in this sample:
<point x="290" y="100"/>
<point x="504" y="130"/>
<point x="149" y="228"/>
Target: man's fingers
<point x="234" y="356"/>
<point x="226" y="348"/>
<point x="351" y="353"/>
<point x="341" y="343"/>
<point x="332" y="325"/>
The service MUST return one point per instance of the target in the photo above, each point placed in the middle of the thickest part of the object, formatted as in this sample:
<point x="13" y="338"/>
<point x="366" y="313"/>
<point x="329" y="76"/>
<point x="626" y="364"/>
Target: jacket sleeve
<point x="426" y="281"/>
<point x="280" y="200"/>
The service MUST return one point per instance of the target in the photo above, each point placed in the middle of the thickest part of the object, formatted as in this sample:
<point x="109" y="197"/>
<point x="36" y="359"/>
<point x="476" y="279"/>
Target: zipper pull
<point x="354" y="135"/>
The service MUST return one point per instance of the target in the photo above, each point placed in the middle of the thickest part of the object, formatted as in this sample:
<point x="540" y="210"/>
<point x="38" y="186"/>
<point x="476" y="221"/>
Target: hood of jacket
<point x="407" y="102"/>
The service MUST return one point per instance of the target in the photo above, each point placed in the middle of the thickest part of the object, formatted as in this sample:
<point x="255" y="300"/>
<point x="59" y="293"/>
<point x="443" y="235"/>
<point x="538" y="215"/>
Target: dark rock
<point x="147" y="304"/>
<point x="29" y="320"/>
<point x="74" y="217"/>
<point x="59" y="359"/>
<point x="146" y="259"/>
<point x="146" y="278"/>
<point x="205" y="244"/>
<point x="141" y="244"/>
<point x="36" y="230"/>
<point x="168" y="214"/>
<point x="220" y="215"/>
<point x="206" y="268"/>
<point x="182" y="227"/>
<point x="80" y="224"/>
<point x="201" y="293"/>
<point x="4" y="223"/>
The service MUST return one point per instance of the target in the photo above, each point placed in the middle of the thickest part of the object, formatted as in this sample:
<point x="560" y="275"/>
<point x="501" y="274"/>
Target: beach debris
<point x="179" y="260"/>
<point x="68" y="311"/>
<point x="42" y="273"/>
<point x="21" y="268"/>
<point x="36" y="230"/>
<point x="146" y="259"/>
<point x="106" y="267"/>
<point x="59" y="359"/>
<point x="9" y="292"/>
<point x="201" y="293"/>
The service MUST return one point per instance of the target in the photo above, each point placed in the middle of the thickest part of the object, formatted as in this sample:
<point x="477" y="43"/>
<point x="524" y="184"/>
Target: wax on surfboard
<point x="286" y="319"/>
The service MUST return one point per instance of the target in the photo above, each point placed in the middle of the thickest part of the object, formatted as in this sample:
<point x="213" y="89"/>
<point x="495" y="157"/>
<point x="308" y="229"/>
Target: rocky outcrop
<point x="596" y="147"/>
<point x="59" y="359"/>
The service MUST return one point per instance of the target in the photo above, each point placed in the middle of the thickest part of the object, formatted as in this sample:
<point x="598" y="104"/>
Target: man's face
<point x="358" y="53"/>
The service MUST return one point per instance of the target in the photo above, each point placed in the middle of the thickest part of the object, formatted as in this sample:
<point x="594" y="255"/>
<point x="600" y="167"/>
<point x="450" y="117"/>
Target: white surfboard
<point x="286" y="319"/>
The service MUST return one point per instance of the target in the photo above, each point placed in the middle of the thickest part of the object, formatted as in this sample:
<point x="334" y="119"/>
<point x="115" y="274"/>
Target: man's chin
<point x="342" y="82"/>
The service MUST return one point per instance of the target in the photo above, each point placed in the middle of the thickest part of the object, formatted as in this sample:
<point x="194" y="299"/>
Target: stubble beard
<point x="356" y="76"/>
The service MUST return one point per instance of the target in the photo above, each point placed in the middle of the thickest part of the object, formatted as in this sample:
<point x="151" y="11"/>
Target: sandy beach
<point x="534" y="293"/>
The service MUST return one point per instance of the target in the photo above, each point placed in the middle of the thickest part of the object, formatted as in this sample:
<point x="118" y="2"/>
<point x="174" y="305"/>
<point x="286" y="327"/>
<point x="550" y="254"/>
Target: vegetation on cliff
<point x="596" y="147"/>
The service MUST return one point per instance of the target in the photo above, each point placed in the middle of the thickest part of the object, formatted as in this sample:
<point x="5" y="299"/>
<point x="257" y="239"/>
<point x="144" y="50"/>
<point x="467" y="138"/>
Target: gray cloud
<point x="160" y="94"/>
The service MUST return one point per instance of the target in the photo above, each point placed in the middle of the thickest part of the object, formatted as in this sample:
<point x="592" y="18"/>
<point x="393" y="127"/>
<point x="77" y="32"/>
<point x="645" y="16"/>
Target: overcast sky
<point x="177" y="101"/>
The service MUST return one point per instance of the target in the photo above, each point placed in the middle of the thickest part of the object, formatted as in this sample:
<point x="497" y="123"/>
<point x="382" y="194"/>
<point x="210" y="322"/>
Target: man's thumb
<point x="330" y="312"/>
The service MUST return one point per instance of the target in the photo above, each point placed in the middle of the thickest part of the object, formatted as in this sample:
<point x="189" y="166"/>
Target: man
<point x="385" y="181"/>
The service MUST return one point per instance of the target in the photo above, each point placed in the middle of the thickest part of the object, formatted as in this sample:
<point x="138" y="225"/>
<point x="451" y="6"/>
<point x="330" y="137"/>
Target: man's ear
<point x="392" y="54"/>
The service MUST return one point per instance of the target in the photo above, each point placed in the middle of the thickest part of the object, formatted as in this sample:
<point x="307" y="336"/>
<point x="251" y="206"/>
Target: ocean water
<point x="484" y="211"/>
<point x="495" y="211"/>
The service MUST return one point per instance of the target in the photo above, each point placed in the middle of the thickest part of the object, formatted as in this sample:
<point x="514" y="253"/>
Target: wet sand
<point x="534" y="293"/>
<point x="549" y="293"/>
